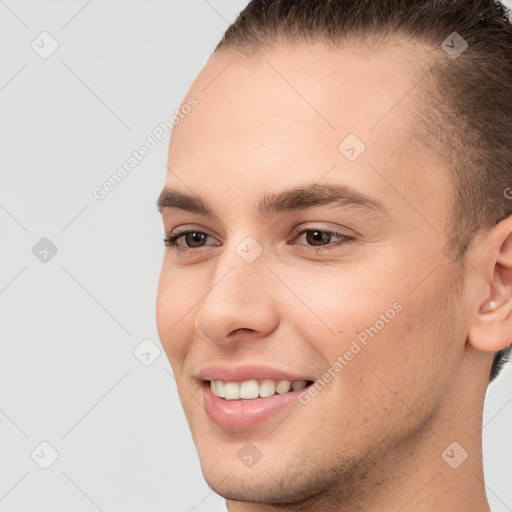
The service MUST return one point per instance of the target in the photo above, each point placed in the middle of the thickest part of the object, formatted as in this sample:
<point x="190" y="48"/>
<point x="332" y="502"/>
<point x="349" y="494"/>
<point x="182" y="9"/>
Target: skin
<point x="373" y="437"/>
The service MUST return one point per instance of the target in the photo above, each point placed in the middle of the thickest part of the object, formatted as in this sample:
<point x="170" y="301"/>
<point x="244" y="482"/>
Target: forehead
<point x="280" y="117"/>
<point x="312" y="89"/>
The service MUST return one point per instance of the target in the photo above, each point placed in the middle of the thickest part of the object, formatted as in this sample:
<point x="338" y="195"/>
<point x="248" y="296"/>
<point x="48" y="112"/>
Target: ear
<point x="490" y="327"/>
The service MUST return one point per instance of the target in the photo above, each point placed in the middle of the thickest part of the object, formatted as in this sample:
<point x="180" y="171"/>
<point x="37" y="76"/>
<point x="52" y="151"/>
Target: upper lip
<point x="240" y="373"/>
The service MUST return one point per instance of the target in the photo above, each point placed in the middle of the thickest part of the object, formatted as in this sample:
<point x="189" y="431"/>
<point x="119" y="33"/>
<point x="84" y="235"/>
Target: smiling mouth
<point x="254" y="388"/>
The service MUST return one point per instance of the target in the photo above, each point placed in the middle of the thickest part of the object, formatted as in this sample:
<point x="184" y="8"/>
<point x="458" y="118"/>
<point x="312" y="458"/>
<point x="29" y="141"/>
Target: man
<point x="336" y="288"/>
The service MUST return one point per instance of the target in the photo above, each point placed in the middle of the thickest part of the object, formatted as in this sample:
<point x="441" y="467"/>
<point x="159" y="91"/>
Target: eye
<point x="316" y="240"/>
<point x="320" y="239"/>
<point x="191" y="239"/>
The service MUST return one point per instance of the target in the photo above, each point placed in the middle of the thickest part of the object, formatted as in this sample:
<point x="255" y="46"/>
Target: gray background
<point x="70" y="324"/>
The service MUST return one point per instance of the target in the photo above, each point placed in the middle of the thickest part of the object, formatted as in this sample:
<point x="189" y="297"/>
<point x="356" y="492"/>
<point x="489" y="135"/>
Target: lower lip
<point x="243" y="414"/>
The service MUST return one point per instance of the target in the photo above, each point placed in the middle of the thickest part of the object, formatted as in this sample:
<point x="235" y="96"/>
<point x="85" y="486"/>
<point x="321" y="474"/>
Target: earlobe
<point x="488" y="306"/>
<point x="490" y="327"/>
<point x="491" y="330"/>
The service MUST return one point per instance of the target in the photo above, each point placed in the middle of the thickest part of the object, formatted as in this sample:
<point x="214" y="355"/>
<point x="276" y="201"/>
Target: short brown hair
<point x="467" y="118"/>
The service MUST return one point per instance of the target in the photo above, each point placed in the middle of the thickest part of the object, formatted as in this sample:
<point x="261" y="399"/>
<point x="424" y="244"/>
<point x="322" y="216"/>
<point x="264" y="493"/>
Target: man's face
<point x="256" y="292"/>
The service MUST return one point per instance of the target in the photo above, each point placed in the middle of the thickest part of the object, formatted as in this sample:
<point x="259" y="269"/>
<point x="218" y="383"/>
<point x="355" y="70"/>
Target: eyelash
<point x="170" y="240"/>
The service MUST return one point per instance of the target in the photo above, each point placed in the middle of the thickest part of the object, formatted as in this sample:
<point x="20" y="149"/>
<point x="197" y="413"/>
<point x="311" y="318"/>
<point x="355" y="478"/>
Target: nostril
<point x="237" y="331"/>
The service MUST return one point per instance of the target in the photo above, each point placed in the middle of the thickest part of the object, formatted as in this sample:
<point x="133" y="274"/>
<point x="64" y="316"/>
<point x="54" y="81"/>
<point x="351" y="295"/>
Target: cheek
<point x="389" y="338"/>
<point x="407" y="365"/>
<point x="174" y="312"/>
<point x="342" y="303"/>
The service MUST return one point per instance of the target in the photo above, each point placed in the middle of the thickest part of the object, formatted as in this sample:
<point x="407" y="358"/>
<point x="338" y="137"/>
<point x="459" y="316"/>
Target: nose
<point x="242" y="301"/>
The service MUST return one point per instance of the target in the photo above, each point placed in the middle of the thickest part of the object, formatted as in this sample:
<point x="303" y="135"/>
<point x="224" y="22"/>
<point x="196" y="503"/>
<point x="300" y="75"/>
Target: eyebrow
<point x="297" y="198"/>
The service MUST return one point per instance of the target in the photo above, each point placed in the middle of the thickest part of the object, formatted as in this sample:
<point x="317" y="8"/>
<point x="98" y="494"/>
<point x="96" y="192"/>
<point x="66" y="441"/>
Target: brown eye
<point x="190" y="240"/>
<point x="317" y="237"/>
<point x="194" y="238"/>
<point x="318" y="240"/>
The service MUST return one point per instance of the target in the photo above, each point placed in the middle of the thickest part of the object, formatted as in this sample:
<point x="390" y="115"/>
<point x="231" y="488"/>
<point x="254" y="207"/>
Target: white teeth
<point x="219" y="386"/>
<point x="231" y="391"/>
<point x="267" y="388"/>
<point x="250" y="389"/>
<point x="283" y="387"/>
